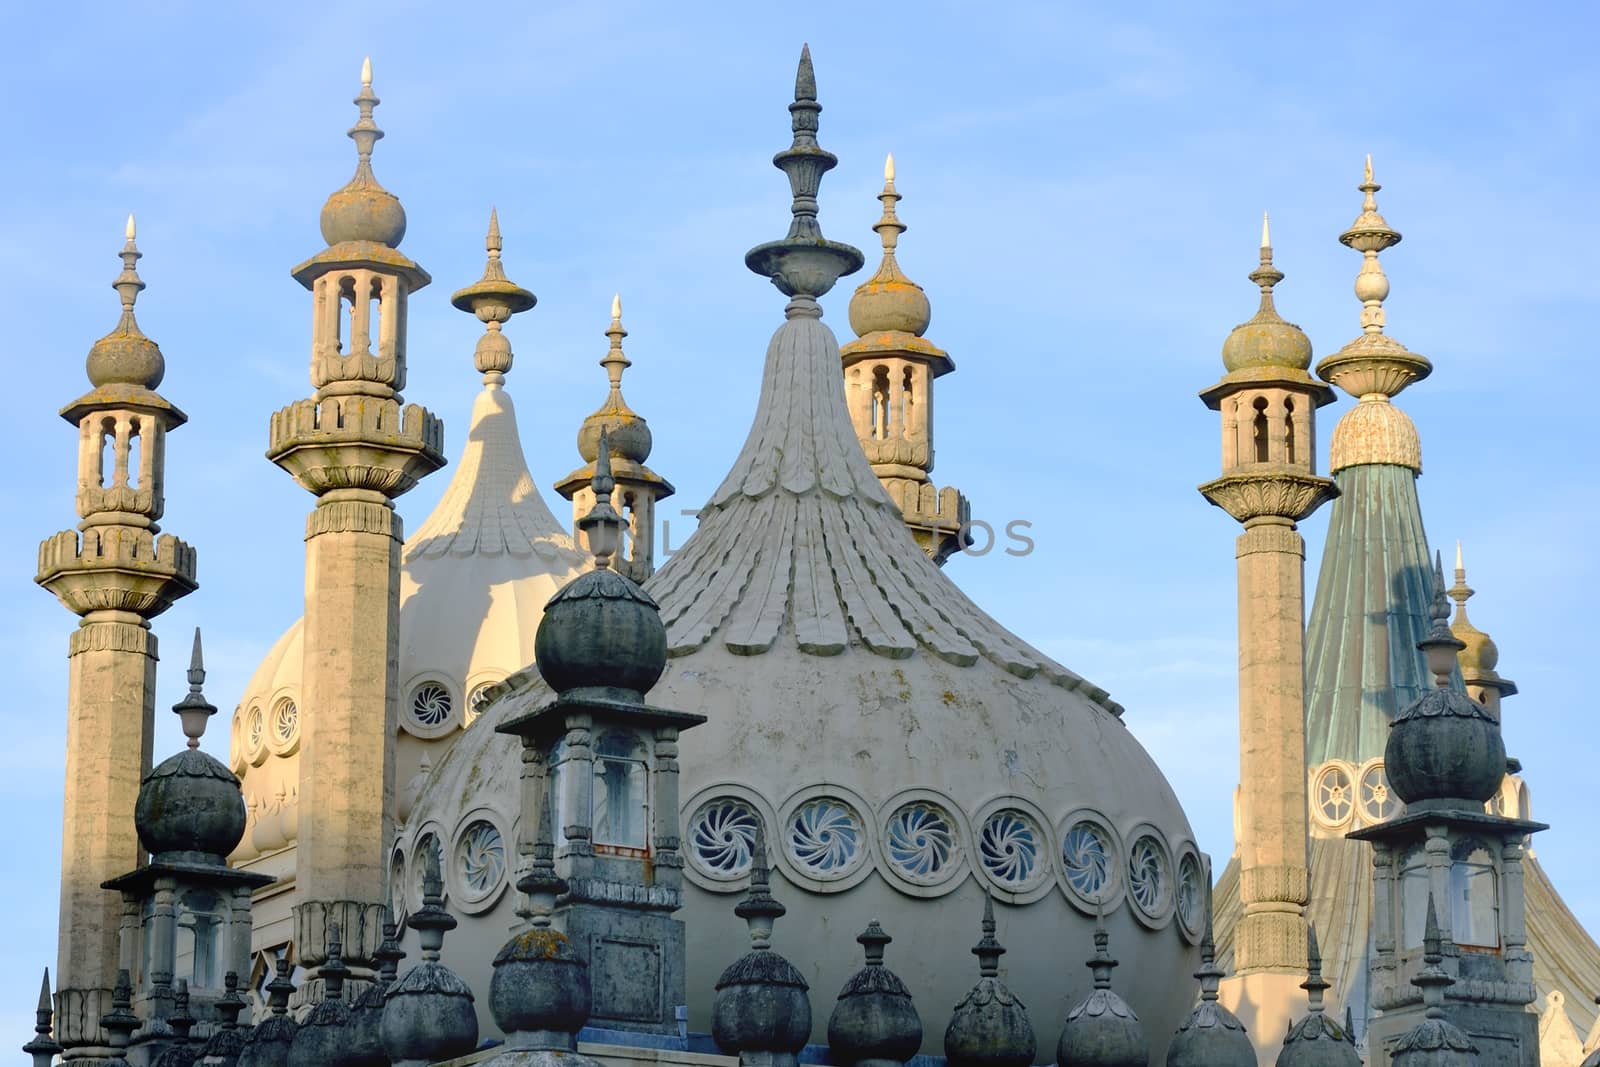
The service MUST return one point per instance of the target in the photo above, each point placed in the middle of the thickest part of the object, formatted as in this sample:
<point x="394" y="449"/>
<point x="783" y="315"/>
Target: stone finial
<point x="194" y="710"/>
<point x="990" y="1027"/>
<point x="1266" y="339"/>
<point x="389" y="952"/>
<point x="874" y="1023"/>
<point x="1314" y="985"/>
<point x="271" y="1042"/>
<point x="230" y="1004"/>
<point x="1103" y="1030"/>
<point x="44" y="1047"/>
<point x="428" y="1014"/>
<point x="120" y="1022"/>
<point x="628" y="433"/>
<point x="541" y="884"/>
<point x="363" y="210"/>
<point x="1435" y="1041"/>
<point x="889" y="301"/>
<point x="431" y="921"/>
<point x="804" y="264"/>
<point x="334" y="972"/>
<point x="1369" y="235"/>
<point x="493" y="298"/>
<point x="1212" y="1036"/>
<point x="1479" y="655"/>
<point x="759" y="909"/>
<point x="125" y="356"/>
<point x="602" y="526"/>
<point x="1316" y="1040"/>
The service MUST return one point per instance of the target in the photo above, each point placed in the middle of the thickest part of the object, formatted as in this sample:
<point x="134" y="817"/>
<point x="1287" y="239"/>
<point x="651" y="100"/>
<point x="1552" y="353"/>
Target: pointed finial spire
<point x="1369" y="235"/>
<point x="1266" y="230"/>
<point x="365" y="132"/>
<point x="1101" y="963"/>
<point x="542" y="884"/>
<point x="1314" y="985"/>
<point x="1432" y="979"/>
<point x="1460" y="592"/>
<point x="1209" y="974"/>
<point x="988" y="950"/>
<point x="493" y="298"/>
<point x="758" y="908"/>
<point x="334" y="972"/>
<point x="120" y="1022"/>
<point x="602" y="526"/>
<point x="128" y="284"/>
<point x="182" y="1020"/>
<point x="431" y="921"/>
<point x="1349" y="1025"/>
<point x="44" y="1047"/>
<point x="281" y="988"/>
<point x="389" y="953"/>
<point x="615" y="361"/>
<point x="366" y="72"/>
<point x="804" y="264"/>
<point x="1266" y="275"/>
<point x="889" y="226"/>
<point x="1440" y="646"/>
<point x="230" y="1004"/>
<point x="194" y="709"/>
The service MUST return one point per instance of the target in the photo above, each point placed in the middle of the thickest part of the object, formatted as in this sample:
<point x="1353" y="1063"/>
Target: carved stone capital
<point x="352" y="516"/>
<point x="356" y="442"/>
<point x="116" y="568"/>
<point x="1269" y="490"/>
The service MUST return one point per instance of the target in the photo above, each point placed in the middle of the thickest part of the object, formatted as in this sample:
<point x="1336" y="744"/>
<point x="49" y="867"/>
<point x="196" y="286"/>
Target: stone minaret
<point x="117" y="574"/>
<point x="637" y="488"/>
<point x="355" y="447"/>
<point x="1268" y="402"/>
<point x="888" y="373"/>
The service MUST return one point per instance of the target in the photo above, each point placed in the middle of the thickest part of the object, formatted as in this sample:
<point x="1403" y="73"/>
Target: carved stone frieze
<point x="1269" y="489"/>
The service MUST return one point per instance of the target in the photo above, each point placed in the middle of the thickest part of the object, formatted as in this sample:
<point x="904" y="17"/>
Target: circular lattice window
<point x="722" y="837"/>
<point x="824" y="838"/>
<point x="921" y="843"/>
<point x="1150" y="878"/>
<point x="284" y="727"/>
<point x="1333" y="796"/>
<point x="479" y="862"/>
<point x="431" y="710"/>
<point x="1191" y="902"/>
<point x="255" y="734"/>
<point x="1378" y="802"/>
<point x="1011" y="850"/>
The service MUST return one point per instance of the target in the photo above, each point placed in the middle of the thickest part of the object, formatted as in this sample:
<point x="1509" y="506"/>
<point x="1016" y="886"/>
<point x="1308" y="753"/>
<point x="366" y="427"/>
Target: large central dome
<point x="905" y="752"/>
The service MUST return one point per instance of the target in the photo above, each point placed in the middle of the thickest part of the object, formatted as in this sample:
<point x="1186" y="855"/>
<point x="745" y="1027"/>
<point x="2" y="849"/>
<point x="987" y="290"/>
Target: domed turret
<point x="1266" y="340"/>
<point x="990" y="1027"/>
<point x="1102" y="1031"/>
<point x="190" y="803"/>
<point x="363" y="210"/>
<point x="601" y="631"/>
<point x="761" y="1004"/>
<point x="889" y="301"/>
<point x="1316" y="1040"/>
<point x="428" y="1014"/>
<point x="625" y="429"/>
<point x="125" y="356"/>
<point x="1212" y="1036"/>
<point x="875" y="1024"/>
<point x="1444" y="749"/>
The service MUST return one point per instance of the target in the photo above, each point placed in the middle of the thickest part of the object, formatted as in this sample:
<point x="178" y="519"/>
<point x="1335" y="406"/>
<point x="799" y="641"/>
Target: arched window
<point x="880" y="402"/>
<point x="1288" y="429"/>
<point x="1474" y="899"/>
<point x="907" y="403"/>
<point x="1413" y="897"/>
<point x="1258" y="429"/>
<point x="621" y="801"/>
<point x="200" y="921"/>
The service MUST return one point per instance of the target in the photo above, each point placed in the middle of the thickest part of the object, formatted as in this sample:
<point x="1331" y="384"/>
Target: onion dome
<point x="540" y="990"/>
<point x="428" y="1014"/>
<point x="1102" y="1031"/>
<point x="990" y="1027"/>
<point x="191" y="803"/>
<point x="761" y="1004"/>
<point x="323" y="1035"/>
<point x="601" y="633"/>
<point x="875" y="1024"/>
<point x="125" y="356"/>
<point x="182" y="1052"/>
<point x="366" y="1015"/>
<point x="889" y="301"/>
<point x="1444" y="749"/>
<point x="1266" y="340"/>
<point x="273" y="1036"/>
<point x="1435" y="1041"/>
<point x="226" y="1043"/>
<point x="494" y="298"/>
<point x="625" y="428"/>
<point x="1212" y="1036"/>
<point x="1316" y="1040"/>
<point x="364" y="210"/>
<point x="44" y="1047"/>
<point x="1479" y="655"/>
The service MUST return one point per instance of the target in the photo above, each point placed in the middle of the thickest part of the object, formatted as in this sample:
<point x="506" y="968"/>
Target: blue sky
<point x="1083" y="192"/>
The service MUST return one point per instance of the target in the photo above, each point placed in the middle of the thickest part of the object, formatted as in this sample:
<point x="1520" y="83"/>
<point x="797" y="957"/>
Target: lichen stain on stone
<point x="540" y="944"/>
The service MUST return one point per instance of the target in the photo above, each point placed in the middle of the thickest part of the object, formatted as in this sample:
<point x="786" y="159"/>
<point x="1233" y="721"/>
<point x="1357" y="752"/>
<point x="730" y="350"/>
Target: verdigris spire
<point x="990" y="1027"/>
<point x="44" y="1047"/>
<point x="1102" y="1031"/>
<point x="804" y="264"/>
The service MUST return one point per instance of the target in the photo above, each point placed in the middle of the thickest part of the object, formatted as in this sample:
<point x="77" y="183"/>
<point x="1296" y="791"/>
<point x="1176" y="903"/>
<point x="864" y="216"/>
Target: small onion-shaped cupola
<point x="540" y="993"/>
<point x="990" y="1027"/>
<point x="602" y="635"/>
<point x="1212" y="1036"/>
<point x="273" y="1037"/>
<point x="366" y="1014"/>
<point x="1444" y="749"/>
<point x="628" y="434"/>
<point x="190" y="806"/>
<point x="1435" y="1041"/>
<point x="428" y="1014"/>
<point x="1266" y="340"/>
<point x="889" y="301"/>
<point x="125" y="357"/>
<point x="761" y="1006"/>
<point x="875" y="1024"/>
<point x="1316" y="1040"/>
<point x="184" y="1050"/>
<point x="226" y="1043"/>
<point x="1102" y="1031"/>
<point x="363" y="210"/>
<point x="323" y="1037"/>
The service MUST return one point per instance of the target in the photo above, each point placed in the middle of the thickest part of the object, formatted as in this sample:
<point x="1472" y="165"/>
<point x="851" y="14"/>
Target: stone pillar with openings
<point x="1268" y="402"/>
<point x="355" y="446"/>
<point x="117" y="574"/>
<point x="1445" y="760"/>
<point x="888" y="374"/>
<point x="637" y="487"/>
<point x="607" y="764"/>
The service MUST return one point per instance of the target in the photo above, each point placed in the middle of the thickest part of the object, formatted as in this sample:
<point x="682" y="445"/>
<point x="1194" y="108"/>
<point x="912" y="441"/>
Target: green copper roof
<point x="1371" y="609"/>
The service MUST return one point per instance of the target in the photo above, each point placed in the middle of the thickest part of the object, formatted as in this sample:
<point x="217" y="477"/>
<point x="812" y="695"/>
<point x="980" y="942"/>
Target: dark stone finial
<point x="804" y="264"/>
<point x="1103" y="1029"/>
<point x="334" y="972"/>
<point x="281" y="988"/>
<point x="44" y="1047"/>
<point x="602" y="526"/>
<point x="389" y="952"/>
<point x="120" y="1022"/>
<point x="230" y="1004"/>
<point x="431" y="921"/>
<point x="541" y="883"/>
<point x="990" y="1027"/>
<point x="1314" y="985"/>
<point x="194" y="710"/>
<point x="1101" y="964"/>
<point x="1434" y="1040"/>
<point x="988" y="950"/>
<point x="758" y="908"/>
<point x="875" y="1023"/>
<point x="1212" y="1036"/>
<point x="181" y="1020"/>
<point x="873" y="940"/>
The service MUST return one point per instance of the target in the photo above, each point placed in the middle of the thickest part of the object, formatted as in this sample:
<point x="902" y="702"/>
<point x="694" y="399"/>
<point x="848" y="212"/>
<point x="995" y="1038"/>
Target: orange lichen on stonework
<point x="540" y="944"/>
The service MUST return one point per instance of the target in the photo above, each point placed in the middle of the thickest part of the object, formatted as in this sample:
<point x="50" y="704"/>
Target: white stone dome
<point x="474" y="580"/>
<point x="903" y="750"/>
